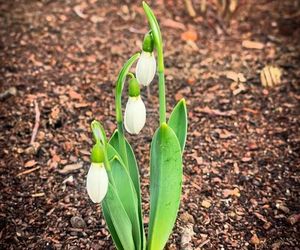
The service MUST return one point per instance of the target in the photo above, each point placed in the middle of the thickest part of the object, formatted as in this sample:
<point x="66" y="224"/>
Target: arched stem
<point x="118" y="100"/>
<point x="160" y="61"/>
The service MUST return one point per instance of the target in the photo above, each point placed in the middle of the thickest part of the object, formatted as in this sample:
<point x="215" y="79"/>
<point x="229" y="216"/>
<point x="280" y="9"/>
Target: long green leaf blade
<point x="165" y="186"/>
<point x="178" y="122"/>
<point x="119" y="218"/>
<point x="111" y="227"/>
<point x="127" y="195"/>
<point x="134" y="174"/>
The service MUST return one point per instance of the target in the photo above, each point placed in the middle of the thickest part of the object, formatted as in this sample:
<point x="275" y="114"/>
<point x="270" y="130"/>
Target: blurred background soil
<point x="59" y="61"/>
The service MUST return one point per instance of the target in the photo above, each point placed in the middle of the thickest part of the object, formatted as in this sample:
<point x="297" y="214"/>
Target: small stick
<point x="37" y="122"/>
<point x="190" y="8"/>
<point x="148" y="93"/>
<point x="28" y="171"/>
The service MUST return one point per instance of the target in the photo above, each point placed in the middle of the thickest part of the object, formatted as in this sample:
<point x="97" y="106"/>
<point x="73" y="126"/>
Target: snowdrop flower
<point x="97" y="179"/>
<point x="146" y="66"/>
<point x="135" y="111"/>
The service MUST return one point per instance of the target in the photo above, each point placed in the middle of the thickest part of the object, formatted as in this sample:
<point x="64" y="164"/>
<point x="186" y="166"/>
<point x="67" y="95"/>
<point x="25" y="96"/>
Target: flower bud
<point x="135" y="114"/>
<point x="148" y="43"/>
<point x="146" y="68"/>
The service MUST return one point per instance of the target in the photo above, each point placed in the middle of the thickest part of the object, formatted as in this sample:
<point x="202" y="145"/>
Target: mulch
<point x="241" y="164"/>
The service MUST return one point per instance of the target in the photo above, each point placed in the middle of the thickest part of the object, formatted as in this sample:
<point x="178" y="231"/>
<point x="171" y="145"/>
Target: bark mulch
<point x="241" y="164"/>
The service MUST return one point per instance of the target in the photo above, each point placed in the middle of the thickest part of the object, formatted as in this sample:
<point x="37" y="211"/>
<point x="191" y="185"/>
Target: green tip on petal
<point x="134" y="87"/>
<point x="97" y="155"/>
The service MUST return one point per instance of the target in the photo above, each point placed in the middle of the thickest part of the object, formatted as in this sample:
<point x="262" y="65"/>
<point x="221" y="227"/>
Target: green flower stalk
<point x="113" y="178"/>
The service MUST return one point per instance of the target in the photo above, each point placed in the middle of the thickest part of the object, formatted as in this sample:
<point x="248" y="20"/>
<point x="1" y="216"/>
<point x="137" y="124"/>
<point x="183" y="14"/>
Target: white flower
<point x="145" y="68"/>
<point x="135" y="115"/>
<point x="97" y="182"/>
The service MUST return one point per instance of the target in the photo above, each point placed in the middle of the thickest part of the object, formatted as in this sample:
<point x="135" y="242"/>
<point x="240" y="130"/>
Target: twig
<point x="190" y="8"/>
<point x="37" y="122"/>
<point x="28" y="171"/>
<point x="204" y="243"/>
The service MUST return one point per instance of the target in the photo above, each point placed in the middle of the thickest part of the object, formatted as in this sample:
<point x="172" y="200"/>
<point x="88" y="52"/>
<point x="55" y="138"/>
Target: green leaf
<point x="178" y="122"/>
<point x="127" y="194"/>
<point x="165" y="186"/>
<point x="112" y="153"/>
<point x="134" y="174"/>
<point x="132" y="164"/>
<point x="118" y="219"/>
<point x="111" y="227"/>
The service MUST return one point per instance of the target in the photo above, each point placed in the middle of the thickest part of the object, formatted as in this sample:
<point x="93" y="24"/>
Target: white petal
<point x="145" y="68"/>
<point x="135" y="115"/>
<point x="97" y="182"/>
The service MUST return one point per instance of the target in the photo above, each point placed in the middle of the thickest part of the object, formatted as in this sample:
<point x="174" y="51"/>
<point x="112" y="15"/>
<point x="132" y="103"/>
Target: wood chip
<point x="189" y="35"/>
<point x="237" y="77"/>
<point x="206" y="203"/>
<point x="173" y="24"/>
<point x="30" y="164"/>
<point x="254" y="240"/>
<point x="70" y="168"/>
<point x="38" y="195"/>
<point x="252" y="44"/>
<point x="216" y="112"/>
<point x="231" y="192"/>
<point x="270" y="76"/>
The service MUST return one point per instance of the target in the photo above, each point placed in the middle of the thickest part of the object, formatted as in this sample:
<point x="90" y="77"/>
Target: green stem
<point x="122" y="143"/>
<point x="162" y="98"/>
<point x="120" y="85"/>
<point x="118" y="101"/>
<point x="160" y="61"/>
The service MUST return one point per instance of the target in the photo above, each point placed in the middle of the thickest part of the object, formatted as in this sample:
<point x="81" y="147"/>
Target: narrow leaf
<point x="165" y="186"/>
<point x="134" y="174"/>
<point x="111" y="227"/>
<point x="119" y="218"/>
<point x="127" y="194"/>
<point x="178" y="122"/>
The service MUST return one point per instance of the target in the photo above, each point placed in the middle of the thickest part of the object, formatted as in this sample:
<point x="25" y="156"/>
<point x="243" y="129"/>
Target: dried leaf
<point x="186" y="237"/>
<point x="255" y="240"/>
<point x="270" y="76"/>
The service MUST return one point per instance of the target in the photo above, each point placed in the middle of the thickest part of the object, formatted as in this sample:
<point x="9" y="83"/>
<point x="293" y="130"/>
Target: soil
<point x="241" y="163"/>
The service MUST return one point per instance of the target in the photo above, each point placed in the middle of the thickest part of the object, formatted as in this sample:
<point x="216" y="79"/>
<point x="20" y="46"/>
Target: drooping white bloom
<point x="97" y="182"/>
<point x="146" y="68"/>
<point x="135" y="115"/>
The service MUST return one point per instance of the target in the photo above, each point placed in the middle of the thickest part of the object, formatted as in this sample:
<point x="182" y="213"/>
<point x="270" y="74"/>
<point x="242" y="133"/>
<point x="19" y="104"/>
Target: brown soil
<point x="241" y="170"/>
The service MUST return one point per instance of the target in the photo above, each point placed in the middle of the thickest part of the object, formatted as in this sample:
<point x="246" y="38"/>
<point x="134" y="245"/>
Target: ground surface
<point x="241" y="169"/>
